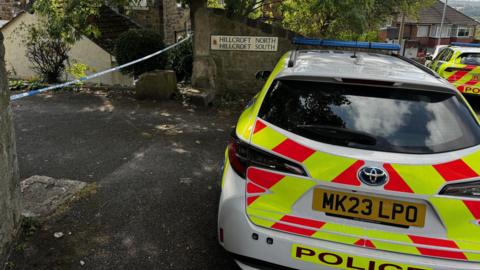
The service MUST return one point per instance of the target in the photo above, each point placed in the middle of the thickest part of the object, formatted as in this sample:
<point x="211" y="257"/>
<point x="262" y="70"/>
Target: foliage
<point x="47" y="53"/>
<point x="35" y="83"/>
<point x="180" y="60"/>
<point x="135" y="44"/>
<point x="16" y="85"/>
<point x="78" y="70"/>
<point x="69" y="19"/>
<point x="341" y="19"/>
<point x="329" y="18"/>
<point x="214" y="4"/>
<point x="245" y="8"/>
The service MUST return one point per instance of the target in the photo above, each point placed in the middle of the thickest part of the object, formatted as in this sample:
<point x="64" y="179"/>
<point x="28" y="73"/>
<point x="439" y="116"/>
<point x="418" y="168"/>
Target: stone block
<point x="42" y="195"/>
<point x="198" y="97"/>
<point x="158" y="84"/>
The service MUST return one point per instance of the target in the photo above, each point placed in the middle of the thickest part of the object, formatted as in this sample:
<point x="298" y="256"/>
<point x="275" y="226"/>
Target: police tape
<point x="101" y="73"/>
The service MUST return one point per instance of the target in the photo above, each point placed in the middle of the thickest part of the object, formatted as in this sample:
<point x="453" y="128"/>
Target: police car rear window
<point x="372" y="118"/>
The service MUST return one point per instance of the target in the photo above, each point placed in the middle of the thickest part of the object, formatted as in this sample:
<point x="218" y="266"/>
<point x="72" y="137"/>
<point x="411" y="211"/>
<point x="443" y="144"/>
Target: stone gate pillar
<point x="9" y="178"/>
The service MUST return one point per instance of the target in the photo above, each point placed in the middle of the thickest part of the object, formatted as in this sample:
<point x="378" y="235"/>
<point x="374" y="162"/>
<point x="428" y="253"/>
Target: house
<point x="96" y="53"/>
<point x="421" y="34"/>
<point x="167" y="17"/>
<point x="9" y="9"/>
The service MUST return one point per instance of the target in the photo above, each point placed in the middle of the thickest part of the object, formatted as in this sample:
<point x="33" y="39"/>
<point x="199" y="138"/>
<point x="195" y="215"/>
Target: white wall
<point x="84" y="51"/>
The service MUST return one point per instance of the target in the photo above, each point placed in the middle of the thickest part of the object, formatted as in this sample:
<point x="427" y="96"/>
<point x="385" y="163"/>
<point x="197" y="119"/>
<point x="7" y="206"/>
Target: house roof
<point x="4" y="24"/>
<point x="111" y="25"/>
<point x="433" y="15"/>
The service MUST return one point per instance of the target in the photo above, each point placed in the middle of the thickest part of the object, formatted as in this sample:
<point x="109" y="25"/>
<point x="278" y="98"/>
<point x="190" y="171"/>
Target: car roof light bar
<point x="465" y="44"/>
<point x="346" y="44"/>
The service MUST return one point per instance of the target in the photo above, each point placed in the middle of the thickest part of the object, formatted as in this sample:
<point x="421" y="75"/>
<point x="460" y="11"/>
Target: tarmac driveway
<point x="157" y="172"/>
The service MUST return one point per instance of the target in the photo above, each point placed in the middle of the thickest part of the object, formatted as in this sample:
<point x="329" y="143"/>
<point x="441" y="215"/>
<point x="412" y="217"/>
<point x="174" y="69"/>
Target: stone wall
<point x="150" y="17"/>
<point x="176" y="19"/>
<point x="7" y="8"/>
<point x="164" y="17"/>
<point x="233" y="71"/>
<point x="9" y="178"/>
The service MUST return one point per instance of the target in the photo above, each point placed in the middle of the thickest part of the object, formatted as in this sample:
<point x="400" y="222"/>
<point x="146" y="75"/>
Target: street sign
<point x="244" y="43"/>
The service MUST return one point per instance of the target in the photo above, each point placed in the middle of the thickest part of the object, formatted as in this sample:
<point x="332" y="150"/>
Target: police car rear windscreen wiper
<point x="340" y="134"/>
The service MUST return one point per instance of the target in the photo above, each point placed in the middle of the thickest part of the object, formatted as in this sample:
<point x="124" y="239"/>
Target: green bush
<point x="180" y="59"/>
<point x="46" y="53"/>
<point x="135" y="44"/>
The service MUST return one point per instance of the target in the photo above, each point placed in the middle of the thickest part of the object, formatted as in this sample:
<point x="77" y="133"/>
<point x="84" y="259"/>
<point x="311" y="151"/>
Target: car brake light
<point x="242" y="155"/>
<point x="452" y="69"/>
<point x="466" y="189"/>
<point x="220" y="235"/>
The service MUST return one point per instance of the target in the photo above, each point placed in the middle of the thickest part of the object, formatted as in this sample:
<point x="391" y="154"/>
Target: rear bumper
<point x="246" y="263"/>
<point x="290" y="251"/>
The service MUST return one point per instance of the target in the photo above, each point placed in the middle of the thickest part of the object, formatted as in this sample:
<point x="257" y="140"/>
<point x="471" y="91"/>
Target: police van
<point x="353" y="159"/>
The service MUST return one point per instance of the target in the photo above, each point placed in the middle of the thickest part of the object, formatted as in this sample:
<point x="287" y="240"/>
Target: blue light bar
<point x="464" y="44"/>
<point x="346" y="44"/>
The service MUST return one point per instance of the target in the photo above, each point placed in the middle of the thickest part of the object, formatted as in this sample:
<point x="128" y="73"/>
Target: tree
<point x="47" y="54"/>
<point x="244" y="8"/>
<point x="69" y="19"/>
<point x="354" y="18"/>
<point x="64" y="22"/>
<point x="327" y="18"/>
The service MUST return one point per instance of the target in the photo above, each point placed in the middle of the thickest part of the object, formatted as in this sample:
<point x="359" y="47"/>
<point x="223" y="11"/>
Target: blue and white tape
<point x="92" y="76"/>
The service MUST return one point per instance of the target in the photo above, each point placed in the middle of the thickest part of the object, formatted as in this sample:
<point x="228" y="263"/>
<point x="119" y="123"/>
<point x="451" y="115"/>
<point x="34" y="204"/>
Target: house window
<point x="435" y="31"/>
<point x="139" y="4"/>
<point x="463" y="31"/>
<point x="422" y="31"/>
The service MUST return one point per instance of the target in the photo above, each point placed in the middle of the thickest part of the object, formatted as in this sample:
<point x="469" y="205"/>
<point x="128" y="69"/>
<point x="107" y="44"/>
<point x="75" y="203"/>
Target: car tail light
<point x="452" y="69"/>
<point x="466" y="189"/>
<point x="220" y="235"/>
<point x="242" y="155"/>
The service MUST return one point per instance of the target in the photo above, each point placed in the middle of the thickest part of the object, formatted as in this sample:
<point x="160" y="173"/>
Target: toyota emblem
<point x="372" y="176"/>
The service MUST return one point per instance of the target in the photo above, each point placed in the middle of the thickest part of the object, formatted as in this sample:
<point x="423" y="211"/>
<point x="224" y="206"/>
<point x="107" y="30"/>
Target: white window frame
<point x="423" y="31"/>
<point x="467" y="29"/>
<point x="141" y="5"/>
<point x="435" y="31"/>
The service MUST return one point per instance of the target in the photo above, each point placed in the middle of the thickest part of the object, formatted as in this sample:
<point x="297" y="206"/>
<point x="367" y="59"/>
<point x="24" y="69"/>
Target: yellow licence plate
<point x="369" y="208"/>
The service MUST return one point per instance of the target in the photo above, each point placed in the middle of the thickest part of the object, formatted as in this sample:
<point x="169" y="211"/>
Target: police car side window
<point x="440" y="55"/>
<point x="448" y="55"/>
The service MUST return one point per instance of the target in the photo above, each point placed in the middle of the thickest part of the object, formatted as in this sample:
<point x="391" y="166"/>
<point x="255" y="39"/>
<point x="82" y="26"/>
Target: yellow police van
<point x="459" y="63"/>
<point x="353" y="160"/>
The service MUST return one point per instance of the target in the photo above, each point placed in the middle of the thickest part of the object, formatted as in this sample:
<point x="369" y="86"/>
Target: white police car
<point x="345" y="160"/>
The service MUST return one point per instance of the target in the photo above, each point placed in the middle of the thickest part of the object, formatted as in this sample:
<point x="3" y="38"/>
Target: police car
<point x="353" y="160"/>
<point x="459" y="63"/>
